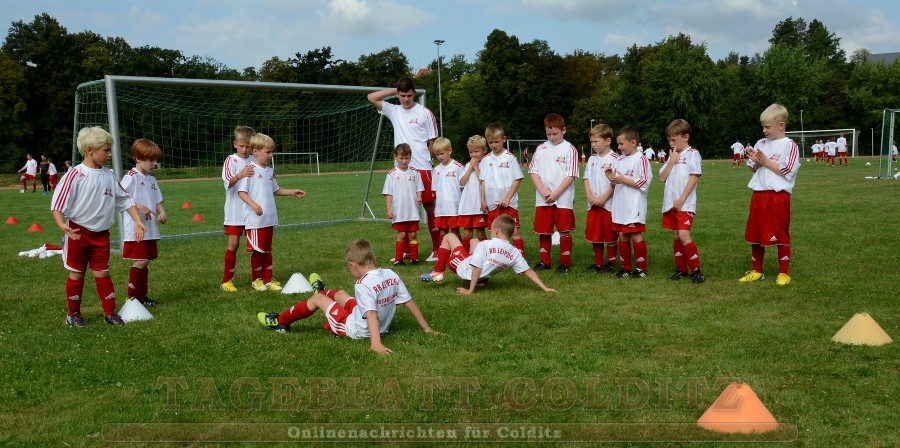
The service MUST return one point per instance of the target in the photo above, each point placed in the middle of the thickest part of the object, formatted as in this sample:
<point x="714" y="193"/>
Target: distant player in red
<point x="367" y="314"/>
<point x="679" y="207"/>
<point x="471" y="218"/>
<point x="140" y="184"/>
<point x="402" y="192"/>
<point x="52" y="171"/>
<point x="236" y="167"/>
<point x="842" y="151"/>
<point x="599" y="192"/>
<point x="738" y="149"/>
<point x="84" y="207"/>
<point x="30" y="170"/>
<point x="774" y="162"/>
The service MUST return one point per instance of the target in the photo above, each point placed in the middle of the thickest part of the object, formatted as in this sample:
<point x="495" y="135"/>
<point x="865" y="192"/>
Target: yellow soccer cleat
<point x="752" y="276"/>
<point x="259" y="285"/>
<point x="228" y="286"/>
<point x="273" y="286"/>
<point x="782" y="279"/>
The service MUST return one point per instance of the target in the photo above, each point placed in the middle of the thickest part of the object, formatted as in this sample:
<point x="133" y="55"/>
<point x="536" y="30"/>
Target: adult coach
<point x="414" y="125"/>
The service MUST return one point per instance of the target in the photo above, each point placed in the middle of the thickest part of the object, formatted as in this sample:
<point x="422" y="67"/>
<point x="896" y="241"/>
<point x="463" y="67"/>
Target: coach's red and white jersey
<point x="595" y="174"/>
<point x="737" y="148"/>
<point x="414" y="126"/>
<point x="492" y="256"/>
<point x="234" y="206"/>
<point x="785" y="153"/>
<point x="402" y="186"/>
<point x="90" y="197"/>
<point x="629" y="204"/>
<point x="261" y="187"/>
<point x="686" y="165"/>
<point x="145" y="191"/>
<point x="470" y="197"/>
<point x="379" y="290"/>
<point x="498" y="173"/>
<point x="554" y="163"/>
<point x="445" y="184"/>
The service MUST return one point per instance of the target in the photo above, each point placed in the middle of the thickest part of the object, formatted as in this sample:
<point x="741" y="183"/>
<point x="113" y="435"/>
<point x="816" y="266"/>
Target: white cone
<point x="297" y="284"/>
<point x="554" y="239"/>
<point x="132" y="310"/>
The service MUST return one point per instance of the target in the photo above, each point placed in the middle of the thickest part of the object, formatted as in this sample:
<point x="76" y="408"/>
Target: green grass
<point x="649" y="355"/>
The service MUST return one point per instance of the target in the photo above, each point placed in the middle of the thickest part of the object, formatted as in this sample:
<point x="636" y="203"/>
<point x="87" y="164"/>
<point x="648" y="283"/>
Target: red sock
<point x="625" y="254"/>
<point x="414" y="250"/>
<point x="680" y="259"/>
<point x="757" y="253"/>
<point x="546" y="244"/>
<point x="466" y="242"/>
<point x="640" y="254"/>
<point x="133" y="280"/>
<point x="230" y="262"/>
<point x="784" y="259"/>
<point x="435" y="238"/>
<point x="565" y="250"/>
<point x="74" y="289"/>
<point x="267" y="267"/>
<point x="598" y="253"/>
<point x="295" y="313"/>
<point x="24" y="184"/>
<point x="330" y="293"/>
<point x="443" y="255"/>
<point x="107" y="294"/>
<point x="257" y="259"/>
<point x="398" y="250"/>
<point x="519" y="243"/>
<point x="612" y="252"/>
<point x="692" y="256"/>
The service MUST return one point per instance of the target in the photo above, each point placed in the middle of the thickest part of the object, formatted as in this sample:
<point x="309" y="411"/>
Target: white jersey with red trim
<point x="686" y="165"/>
<point x="492" y="256"/>
<point x="649" y="153"/>
<point x="445" y="184"/>
<point x="553" y="163"/>
<point x="841" y="144"/>
<point x="470" y="197"/>
<point x="379" y="290"/>
<point x="415" y="127"/>
<point x="261" y="187"/>
<point x="145" y="191"/>
<point x="785" y="153"/>
<point x="234" y="206"/>
<point x="498" y="173"/>
<point x="51" y="169"/>
<point x="402" y="186"/>
<point x="629" y="204"/>
<point x="830" y="148"/>
<point x="90" y="197"/>
<point x="31" y="167"/>
<point x="661" y="154"/>
<point x="737" y="148"/>
<point x="595" y="174"/>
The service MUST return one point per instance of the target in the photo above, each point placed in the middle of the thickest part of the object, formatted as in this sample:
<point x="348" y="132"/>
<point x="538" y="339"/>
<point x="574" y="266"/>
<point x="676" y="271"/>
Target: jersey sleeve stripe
<point x="60" y="201"/>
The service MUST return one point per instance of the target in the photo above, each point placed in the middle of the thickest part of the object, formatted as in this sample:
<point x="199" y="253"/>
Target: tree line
<point x="511" y="82"/>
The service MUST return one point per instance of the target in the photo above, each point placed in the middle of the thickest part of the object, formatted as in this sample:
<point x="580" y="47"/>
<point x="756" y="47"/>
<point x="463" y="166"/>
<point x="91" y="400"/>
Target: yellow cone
<point x="738" y="409"/>
<point x="861" y="329"/>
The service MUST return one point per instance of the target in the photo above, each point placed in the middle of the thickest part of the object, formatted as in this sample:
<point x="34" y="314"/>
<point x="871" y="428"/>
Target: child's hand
<point x="550" y="290"/>
<point x="144" y="211"/>
<point x="380" y="349"/>
<point x="390" y="214"/>
<point x="300" y="194"/>
<point x="430" y="331"/>
<point x="257" y="209"/>
<point x="464" y="291"/>
<point x="162" y="217"/>
<point x="139" y="230"/>
<point x="678" y="204"/>
<point x="71" y="233"/>
<point x="246" y="172"/>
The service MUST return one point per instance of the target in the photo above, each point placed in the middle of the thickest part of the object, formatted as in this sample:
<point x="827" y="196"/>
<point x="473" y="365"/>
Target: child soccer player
<point x="140" y="183"/>
<point x="553" y="169"/>
<point x="368" y="314"/>
<point x="817" y="150"/>
<point x="774" y="162"/>
<point x="649" y="153"/>
<point x="84" y="207"/>
<point x="738" y="149"/>
<point x="631" y="177"/>
<point x="52" y="171"/>
<point x="471" y="218"/>
<point x="258" y="191"/>
<point x="483" y="259"/>
<point x="236" y="167"/>
<point x="445" y="179"/>
<point x="681" y="175"/>
<point x="842" y="151"/>
<point x="599" y="191"/>
<point x="30" y="170"/>
<point x="893" y="152"/>
<point x="500" y="178"/>
<point x="830" y="150"/>
<point x="661" y="156"/>
<point x="403" y="193"/>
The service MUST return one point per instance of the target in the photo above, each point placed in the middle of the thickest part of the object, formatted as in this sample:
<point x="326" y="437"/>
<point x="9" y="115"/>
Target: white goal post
<point x="805" y="139"/>
<point x="292" y="159"/>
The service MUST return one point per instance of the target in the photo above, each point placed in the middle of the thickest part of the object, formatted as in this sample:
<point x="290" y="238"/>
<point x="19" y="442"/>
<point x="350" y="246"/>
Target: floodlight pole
<point x="438" y="43"/>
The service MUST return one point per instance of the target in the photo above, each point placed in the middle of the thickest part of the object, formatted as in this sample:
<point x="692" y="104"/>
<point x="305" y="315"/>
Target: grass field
<point x="634" y="362"/>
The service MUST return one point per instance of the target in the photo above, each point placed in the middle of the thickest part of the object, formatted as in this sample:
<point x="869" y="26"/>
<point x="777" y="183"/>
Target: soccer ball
<point x="868" y="163"/>
<point x="807" y="160"/>
<point x="897" y="176"/>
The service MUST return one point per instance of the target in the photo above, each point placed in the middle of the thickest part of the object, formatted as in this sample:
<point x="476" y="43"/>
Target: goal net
<point x="888" y="160"/>
<point x="328" y="130"/>
<point x="805" y="139"/>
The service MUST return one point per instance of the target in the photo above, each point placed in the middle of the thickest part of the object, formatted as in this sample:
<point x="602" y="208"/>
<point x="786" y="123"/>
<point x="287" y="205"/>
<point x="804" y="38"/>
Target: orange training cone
<point x="198" y="218"/>
<point x="861" y="329"/>
<point x="35" y="228"/>
<point x="738" y="409"/>
<point x="12" y="220"/>
<point x="186" y="205"/>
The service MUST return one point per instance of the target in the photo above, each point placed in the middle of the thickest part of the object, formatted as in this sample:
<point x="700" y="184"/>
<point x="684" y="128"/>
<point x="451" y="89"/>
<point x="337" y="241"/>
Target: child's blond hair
<point x="601" y="130"/>
<point x="441" y="144"/>
<point x="94" y="138"/>
<point x="494" y="130"/>
<point x="678" y="127"/>
<point x="360" y="252"/>
<point x="775" y="113"/>
<point x="243" y="133"/>
<point x="261" y="141"/>
<point x="477" y="141"/>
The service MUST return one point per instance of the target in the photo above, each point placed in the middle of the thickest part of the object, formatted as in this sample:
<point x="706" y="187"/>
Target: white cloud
<point x="370" y="17"/>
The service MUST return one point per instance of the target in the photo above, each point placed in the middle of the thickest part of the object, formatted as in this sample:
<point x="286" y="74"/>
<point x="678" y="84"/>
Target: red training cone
<point x="35" y="228"/>
<point x="739" y="410"/>
<point x="12" y="220"/>
<point x="186" y="205"/>
<point x="198" y="218"/>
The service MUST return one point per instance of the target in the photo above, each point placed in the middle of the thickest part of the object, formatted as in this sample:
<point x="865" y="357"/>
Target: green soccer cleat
<point x="270" y="320"/>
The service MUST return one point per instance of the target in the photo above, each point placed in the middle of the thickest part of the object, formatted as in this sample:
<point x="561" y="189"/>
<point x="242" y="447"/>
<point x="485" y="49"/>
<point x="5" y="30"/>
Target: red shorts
<point x="546" y="217"/>
<point x="472" y="221"/>
<point x="406" y="226"/>
<point x="769" y="222"/>
<point x="446" y="222"/>
<point x="53" y="179"/>
<point x="27" y="177"/>
<point x="140" y="250"/>
<point x="336" y="316"/>
<point x="92" y="248"/>
<point x="493" y="214"/>
<point x="428" y="194"/>
<point x="842" y="154"/>
<point x="627" y="229"/>
<point x="599" y="228"/>
<point x="677" y="220"/>
<point x="260" y="240"/>
<point x="737" y="157"/>
<point x="234" y="230"/>
<point x="458" y="255"/>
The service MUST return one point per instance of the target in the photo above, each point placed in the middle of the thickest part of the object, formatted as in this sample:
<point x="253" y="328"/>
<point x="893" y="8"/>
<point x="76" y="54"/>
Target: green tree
<point x="16" y="129"/>
<point x="383" y="68"/>
<point x="785" y="75"/>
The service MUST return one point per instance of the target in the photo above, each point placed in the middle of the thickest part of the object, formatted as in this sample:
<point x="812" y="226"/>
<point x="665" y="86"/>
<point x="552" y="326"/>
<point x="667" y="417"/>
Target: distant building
<point x="886" y="58"/>
<point x="422" y="72"/>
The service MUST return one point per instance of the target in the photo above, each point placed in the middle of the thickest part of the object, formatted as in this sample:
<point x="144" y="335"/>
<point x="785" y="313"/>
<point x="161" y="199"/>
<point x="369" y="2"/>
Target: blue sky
<point x="243" y="33"/>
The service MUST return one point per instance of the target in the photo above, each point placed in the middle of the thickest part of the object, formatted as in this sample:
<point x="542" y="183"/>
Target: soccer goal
<point x="805" y="139"/>
<point x="523" y="149"/>
<point x="887" y="160"/>
<point x="193" y="120"/>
